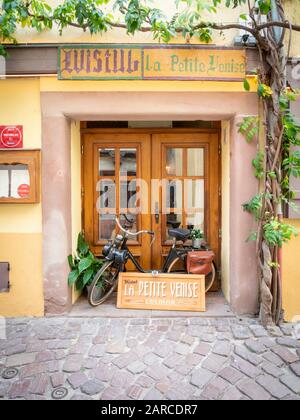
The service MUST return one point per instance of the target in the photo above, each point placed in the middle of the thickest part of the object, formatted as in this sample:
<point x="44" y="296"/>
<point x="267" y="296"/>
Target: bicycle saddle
<point x="180" y="234"/>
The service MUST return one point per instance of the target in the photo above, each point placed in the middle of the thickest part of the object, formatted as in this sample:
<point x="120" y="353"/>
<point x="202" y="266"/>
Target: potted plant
<point x="197" y="236"/>
<point x="84" y="265"/>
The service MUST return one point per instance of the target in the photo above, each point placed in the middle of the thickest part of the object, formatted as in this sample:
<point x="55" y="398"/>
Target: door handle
<point x="156" y="213"/>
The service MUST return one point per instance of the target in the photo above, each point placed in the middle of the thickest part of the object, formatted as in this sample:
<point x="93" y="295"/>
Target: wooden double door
<point x="161" y="179"/>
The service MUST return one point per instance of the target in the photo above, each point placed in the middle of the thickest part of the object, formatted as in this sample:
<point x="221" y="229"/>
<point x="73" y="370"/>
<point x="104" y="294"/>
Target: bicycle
<point x="117" y="254"/>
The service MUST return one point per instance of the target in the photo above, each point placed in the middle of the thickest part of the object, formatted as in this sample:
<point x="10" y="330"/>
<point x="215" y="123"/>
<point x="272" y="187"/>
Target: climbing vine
<point x="277" y="159"/>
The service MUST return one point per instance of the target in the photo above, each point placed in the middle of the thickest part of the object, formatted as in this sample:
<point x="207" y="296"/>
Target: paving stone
<point x="272" y="369"/>
<point x="45" y="356"/>
<point x="145" y="381"/>
<point x="53" y="366"/>
<point x="57" y="379"/>
<point x="222" y="349"/>
<point x="124" y="360"/>
<point x="20" y="359"/>
<point x="173" y="361"/>
<point x="287" y="329"/>
<point x="253" y="390"/>
<point x="4" y="387"/>
<point x="33" y="370"/>
<point x="92" y="387"/>
<point x="73" y="363"/>
<point x="80" y="397"/>
<point x="247" y="355"/>
<point x="203" y="349"/>
<point x="174" y="335"/>
<point x="240" y="332"/>
<point x="273" y="386"/>
<point x="187" y="339"/>
<point x="77" y="379"/>
<point x="258" y="331"/>
<point x="11" y="350"/>
<point x="184" y="369"/>
<point x="193" y="360"/>
<point x="151" y="359"/>
<point x="154" y="395"/>
<point x="112" y="394"/>
<point x="231" y="375"/>
<point x="255" y="346"/>
<point x="207" y="338"/>
<point x="296" y="368"/>
<point x="135" y="392"/>
<point x="163" y="349"/>
<point x="201" y="377"/>
<point x="122" y="379"/>
<point x="136" y="367"/>
<point x="103" y="372"/>
<point x="39" y="384"/>
<point x="232" y="394"/>
<point x="59" y="345"/>
<point x="245" y="367"/>
<point x="97" y="350"/>
<point x="157" y="372"/>
<point x="182" y="349"/>
<point x="285" y="354"/>
<point x="274" y="359"/>
<point x="19" y="389"/>
<point x="274" y="331"/>
<point x="214" y="363"/>
<point x="288" y="342"/>
<point x="292" y="382"/>
<point x="219" y="384"/>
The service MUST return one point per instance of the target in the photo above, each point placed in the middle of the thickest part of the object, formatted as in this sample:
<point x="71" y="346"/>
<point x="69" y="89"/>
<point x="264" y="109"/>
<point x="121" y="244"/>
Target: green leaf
<point x="71" y="262"/>
<point x="73" y="277"/>
<point x="88" y="276"/>
<point x="246" y="85"/>
<point x="84" y="264"/>
<point x="82" y="245"/>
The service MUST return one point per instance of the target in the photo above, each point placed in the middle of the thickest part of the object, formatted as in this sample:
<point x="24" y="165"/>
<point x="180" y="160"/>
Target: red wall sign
<point x="24" y="190"/>
<point x="11" y="136"/>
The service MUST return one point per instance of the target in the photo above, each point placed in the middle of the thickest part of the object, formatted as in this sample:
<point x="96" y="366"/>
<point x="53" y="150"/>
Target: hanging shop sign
<point x="162" y="292"/>
<point x="11" y="136"/>
<point x="145" y="62"/>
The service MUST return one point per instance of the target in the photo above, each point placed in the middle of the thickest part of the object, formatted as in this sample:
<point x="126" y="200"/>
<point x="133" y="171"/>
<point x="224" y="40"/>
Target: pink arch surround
<point x="58" y="109"/>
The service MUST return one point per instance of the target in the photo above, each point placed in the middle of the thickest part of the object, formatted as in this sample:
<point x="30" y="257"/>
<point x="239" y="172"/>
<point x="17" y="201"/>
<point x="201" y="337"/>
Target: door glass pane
<point x="128" y="162"/>
<point x="128" y="196"/>
<point x="195" y="162"/>
<point x="133" y="218"/>
<point x="195" y="203"/>
<point x="107" y="226"/>
<point x="194" y="193"/>
<point x="174" y="164"/>
<point x="173" y="195"/>
<point x="174" y="221"/>
<point x="107" y="162"/>
<point x="14" y="181"/>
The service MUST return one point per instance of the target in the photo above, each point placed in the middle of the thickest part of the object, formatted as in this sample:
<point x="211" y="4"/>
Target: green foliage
<point x="258" y="165"/>
<point x="83" y="265"/>
<point x="197" y="234"/>
<point x="276" y="232"/>
<point x="254" y="206"/>
<point x="249" y="128"/>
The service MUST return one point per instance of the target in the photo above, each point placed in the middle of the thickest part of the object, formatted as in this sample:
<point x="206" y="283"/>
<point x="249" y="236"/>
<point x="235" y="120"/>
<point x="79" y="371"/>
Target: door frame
<point x="152" y="132"/>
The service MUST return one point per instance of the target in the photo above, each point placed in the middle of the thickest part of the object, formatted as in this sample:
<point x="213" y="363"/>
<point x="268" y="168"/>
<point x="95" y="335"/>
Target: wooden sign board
<point x="151" y="62"/>
<point x="162" y="292"/>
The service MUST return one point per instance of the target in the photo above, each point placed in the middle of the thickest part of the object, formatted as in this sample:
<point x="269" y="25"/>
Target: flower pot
<point x="197" y="243"/>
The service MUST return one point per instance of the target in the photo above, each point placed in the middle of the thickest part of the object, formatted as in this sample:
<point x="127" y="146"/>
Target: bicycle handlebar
<point x="141" y="232"/>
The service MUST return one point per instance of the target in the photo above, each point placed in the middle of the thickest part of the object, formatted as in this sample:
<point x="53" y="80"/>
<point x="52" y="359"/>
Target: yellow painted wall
<point x="76" y="188"/>
<point x="291" y="277"/>
<point x="21" y="225"/>
<point x="119" y="35"/>
<point x="226" y="209"/>
<point x="292" y="10"/>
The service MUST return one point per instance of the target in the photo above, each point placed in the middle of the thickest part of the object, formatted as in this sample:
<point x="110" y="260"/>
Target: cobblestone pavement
<point x="119" y="359"/>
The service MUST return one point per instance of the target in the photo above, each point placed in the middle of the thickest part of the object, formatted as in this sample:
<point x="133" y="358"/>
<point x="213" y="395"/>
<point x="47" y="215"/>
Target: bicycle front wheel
<point x="104" y="284"/>
<point x="209" y="279"/>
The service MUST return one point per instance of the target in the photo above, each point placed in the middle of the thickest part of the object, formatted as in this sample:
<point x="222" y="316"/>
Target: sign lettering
<point x="130" y="62"/>
<point x="172" y="292"/>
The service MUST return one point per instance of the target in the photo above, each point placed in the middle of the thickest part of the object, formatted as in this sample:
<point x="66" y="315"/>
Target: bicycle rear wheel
<point x="209" y="279"/>
<point x="104" y="284"/>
